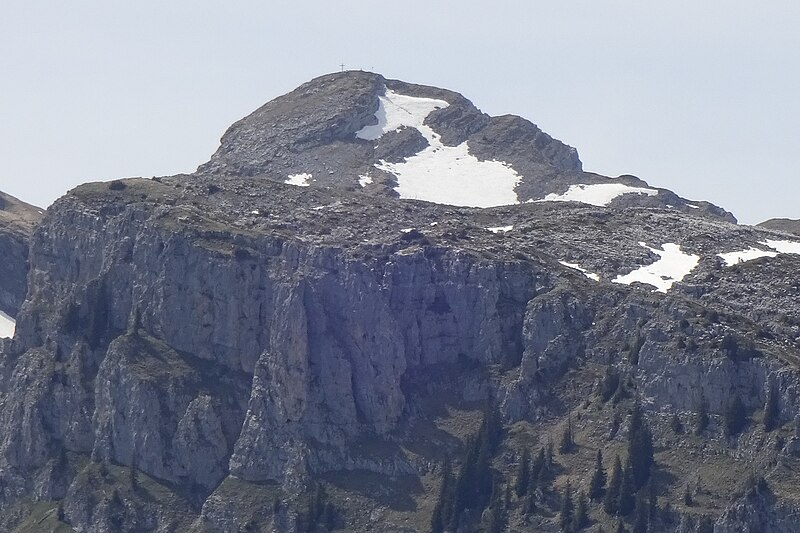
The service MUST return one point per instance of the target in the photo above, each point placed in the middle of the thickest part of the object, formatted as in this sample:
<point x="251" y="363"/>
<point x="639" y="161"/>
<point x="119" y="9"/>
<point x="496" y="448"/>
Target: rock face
<point x="226" y="352"/>
<point x="17" y="222"/>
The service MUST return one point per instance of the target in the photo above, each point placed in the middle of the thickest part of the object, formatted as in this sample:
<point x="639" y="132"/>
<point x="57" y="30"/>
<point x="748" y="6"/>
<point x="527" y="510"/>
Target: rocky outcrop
<point x="17" y="222"/>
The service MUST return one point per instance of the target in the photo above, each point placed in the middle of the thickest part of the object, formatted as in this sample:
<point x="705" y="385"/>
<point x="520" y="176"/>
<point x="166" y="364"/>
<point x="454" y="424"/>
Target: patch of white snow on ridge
<point x="732" y="258"/>
<point x="780" y="247"/>
<point x="590" y="275"/>
<point x="673" y="266"/>
<point x="364" y="180"/>
<point x="784" y="247"/>
<point x="398" y="110"/>
<point x="300" y="180"/>
<point x="439" y="173"/>
<point x="7" y="326"/>
<point x="599" y="194"/>
<point x="500" y="229"/>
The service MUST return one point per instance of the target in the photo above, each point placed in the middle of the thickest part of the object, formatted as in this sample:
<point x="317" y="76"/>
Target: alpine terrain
<point x="376" y="308"/>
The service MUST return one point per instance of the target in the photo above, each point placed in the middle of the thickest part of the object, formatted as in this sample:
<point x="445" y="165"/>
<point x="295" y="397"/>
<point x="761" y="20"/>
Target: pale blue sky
<point x="698" y="97"/>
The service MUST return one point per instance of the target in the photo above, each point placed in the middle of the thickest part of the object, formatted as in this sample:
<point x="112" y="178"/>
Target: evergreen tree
<point x="473" y="486"/>
<point x="523" y="474"/>
<point x="529" y="505"/>
<point x="652" y="499"/>
<point x="567" y="443"/>
<point x="621" y="527"/>
<point x="597" y="486"/>
<point x="536" y="470"/>
<point x="701" y="423"/>
<point x="442" y="513"/>
<point x="642" y="515"/>
<point x="640" y="447"/>
<point x="581" y="519"/>
<point x="735" y="416"/>
<point x="626" y="490"/>
<point x="611" y="501"/>
<point x="496" y="513"/>
<point x="771" y="413"/>
<point x="687" y="497"/>
<point x="567" y="513"/>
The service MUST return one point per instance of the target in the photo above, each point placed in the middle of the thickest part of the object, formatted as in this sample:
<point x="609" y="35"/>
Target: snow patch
<point x="732" y="258"/>
<point x="500" y="229"/>
<point x="784" y="247"/>
<point x="599" y="194"/>
<point x="364" y="180"/>
<point x="781" y="247"/>
<point x="439" y="173"/>
<point x="7" y="326"/>
<point x="398" y="110"/>
<point x="673" y="266"/>
<point x="300" y="180"/>
<point x="590" y="275"/>
<point x="693" y="206"/>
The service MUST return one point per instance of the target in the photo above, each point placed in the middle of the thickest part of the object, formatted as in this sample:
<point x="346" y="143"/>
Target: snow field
<point x="673" y="266"/>
<point x="439" y="173"/>
<point x="599" y="194"/>
<point x="7" y="326"/>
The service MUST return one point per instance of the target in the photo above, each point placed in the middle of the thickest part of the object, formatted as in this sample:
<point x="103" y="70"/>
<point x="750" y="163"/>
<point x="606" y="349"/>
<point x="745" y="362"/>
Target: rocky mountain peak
<point x="361" y="131"/>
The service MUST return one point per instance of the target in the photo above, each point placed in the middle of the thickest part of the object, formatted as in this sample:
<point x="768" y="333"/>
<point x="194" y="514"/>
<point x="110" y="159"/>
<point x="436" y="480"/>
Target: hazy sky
<point x="698" y="97"/>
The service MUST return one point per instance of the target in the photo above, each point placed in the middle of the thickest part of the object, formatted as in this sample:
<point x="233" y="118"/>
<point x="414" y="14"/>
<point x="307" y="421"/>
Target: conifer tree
<point x="626" y="490"/>
<point x="523" y="474"/>
<point x="642" y="515"/>
<point x="567" y="513"/>
<point x="536" y="470"/>
<point x="640" y="447"/>
<point x="701" y="423"/>
<point x="611" y="501"/>
<point x="496" y="513"/>
<point x="442" y="513"/>
<point x="621" y="527"/>
<point x="687" y="497"/>
<point x="735" y="416"/>
<point x="771" y="413"/>
<point x="597" y="486"/>
<point x="581" y="519"/>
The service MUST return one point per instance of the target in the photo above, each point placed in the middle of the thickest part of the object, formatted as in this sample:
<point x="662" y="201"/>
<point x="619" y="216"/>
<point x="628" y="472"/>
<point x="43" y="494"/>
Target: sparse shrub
<point x="117" y="185"/>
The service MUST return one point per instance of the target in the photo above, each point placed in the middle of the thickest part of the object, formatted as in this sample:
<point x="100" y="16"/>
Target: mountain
<point x="226" y="351"/>
<point x="360" y="131"/>
<point x="17" y="222"/>
<point x="786" y="225"/>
